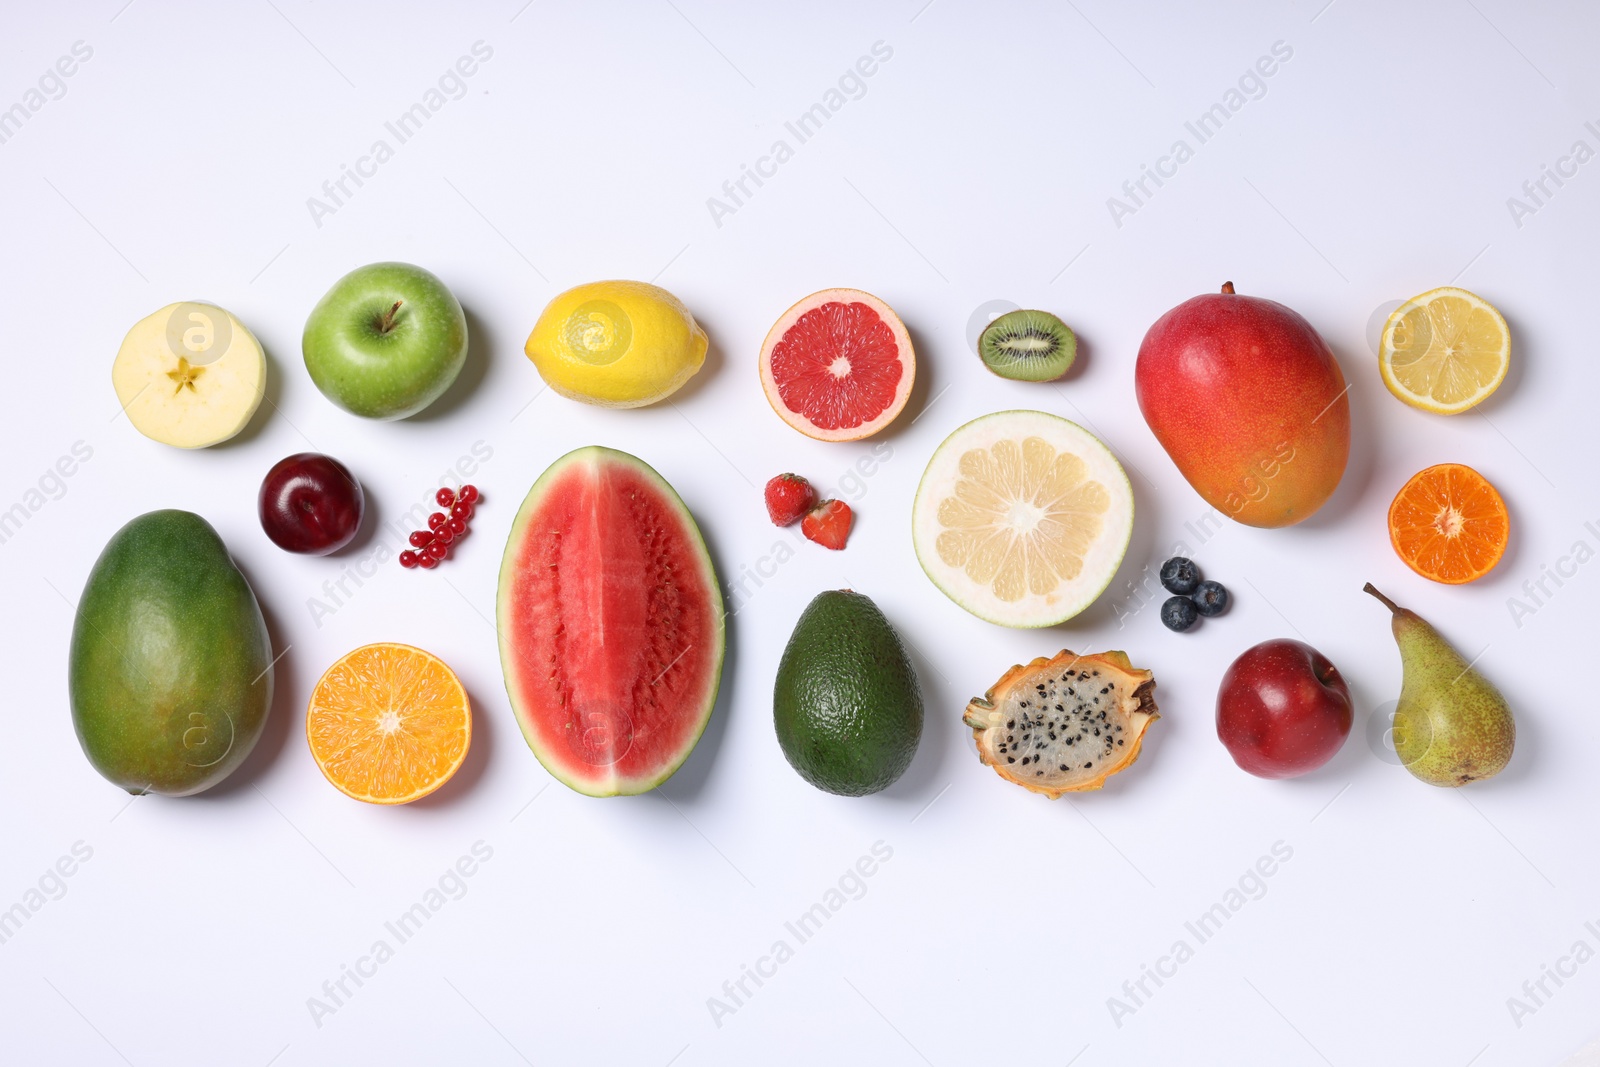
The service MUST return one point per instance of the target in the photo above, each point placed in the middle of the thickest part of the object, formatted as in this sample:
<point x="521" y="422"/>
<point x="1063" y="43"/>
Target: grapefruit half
<point x="838" y="366"/>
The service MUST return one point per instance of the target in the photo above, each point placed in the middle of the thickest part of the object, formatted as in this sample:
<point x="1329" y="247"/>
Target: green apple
<point x="385" y="341"/>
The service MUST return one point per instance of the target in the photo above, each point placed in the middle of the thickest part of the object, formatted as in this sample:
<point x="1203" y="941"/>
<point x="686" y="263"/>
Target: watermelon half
<point x="611" y="624"/>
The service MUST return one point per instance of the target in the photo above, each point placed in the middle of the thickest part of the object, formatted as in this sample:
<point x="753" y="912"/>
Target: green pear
<point x="1451" y="726"/>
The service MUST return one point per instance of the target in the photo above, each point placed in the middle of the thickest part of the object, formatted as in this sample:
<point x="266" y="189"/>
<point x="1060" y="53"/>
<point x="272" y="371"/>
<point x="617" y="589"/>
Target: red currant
<point x="444" y="535"/>
<point x="436" y="551"/>
<point x="461" y="509"/>
<point x="427" y="562"/>
<point x="419" y="538"/>
<point x="469" y="493"/>
<point x="408" y="559"/>
<point x="457" y="527"/>
<point x="444" y="498"/>
<point x="436" y="520"/>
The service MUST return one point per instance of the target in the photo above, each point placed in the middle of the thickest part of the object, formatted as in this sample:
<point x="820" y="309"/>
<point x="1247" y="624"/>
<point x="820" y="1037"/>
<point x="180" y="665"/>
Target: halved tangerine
<point x="389" y="723"/>
<point x="838" y="366"/>
<point x="1449" y="524"/>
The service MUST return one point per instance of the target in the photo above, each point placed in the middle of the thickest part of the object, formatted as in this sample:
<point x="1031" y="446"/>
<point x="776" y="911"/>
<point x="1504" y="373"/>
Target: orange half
<point x="1449" y="524"/>
<point x="389" y="723"/>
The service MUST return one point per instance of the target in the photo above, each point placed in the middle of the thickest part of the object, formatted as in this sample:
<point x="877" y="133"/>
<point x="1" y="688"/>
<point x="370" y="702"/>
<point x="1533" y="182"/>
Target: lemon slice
<point x="1022" y="518"/>
<point x="1444" y="351"/>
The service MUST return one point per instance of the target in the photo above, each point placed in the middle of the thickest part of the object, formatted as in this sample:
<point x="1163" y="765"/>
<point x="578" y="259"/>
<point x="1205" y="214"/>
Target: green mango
<point x="170" y="671"/>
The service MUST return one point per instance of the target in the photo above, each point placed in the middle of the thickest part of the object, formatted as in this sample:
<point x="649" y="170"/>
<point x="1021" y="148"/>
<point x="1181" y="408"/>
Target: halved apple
<point x="190" y="375"/>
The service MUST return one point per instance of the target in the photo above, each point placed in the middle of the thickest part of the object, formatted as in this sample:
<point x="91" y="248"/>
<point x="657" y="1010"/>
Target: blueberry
<point x="1179" y="575"/>
<point x="1179" y="613"/>
<point x="1210" y="598"/>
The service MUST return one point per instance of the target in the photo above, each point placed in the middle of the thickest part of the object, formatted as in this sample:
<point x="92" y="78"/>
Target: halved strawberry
<point x="789" y="497"/>
<point x="828" y="524"/>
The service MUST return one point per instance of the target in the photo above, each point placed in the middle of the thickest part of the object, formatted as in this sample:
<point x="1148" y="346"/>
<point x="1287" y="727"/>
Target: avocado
<point x="847" y="705"/>
<point x="170" y="670"/>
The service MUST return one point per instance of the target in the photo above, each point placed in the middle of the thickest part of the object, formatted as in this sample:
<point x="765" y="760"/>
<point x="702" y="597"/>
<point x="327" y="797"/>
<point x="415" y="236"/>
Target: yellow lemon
<point x="617" y="344"/>
<point x="1444" y="351"/>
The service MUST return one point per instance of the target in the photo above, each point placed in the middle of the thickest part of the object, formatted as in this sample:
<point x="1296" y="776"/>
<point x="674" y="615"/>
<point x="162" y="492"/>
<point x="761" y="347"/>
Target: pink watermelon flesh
<point x="611" y="628"/>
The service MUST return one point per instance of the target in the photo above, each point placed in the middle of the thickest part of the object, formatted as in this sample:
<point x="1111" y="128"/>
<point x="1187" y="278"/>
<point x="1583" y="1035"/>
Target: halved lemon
<point x="1022" y="518"/>
<point x="1444" y="351"/>
<point x="389" y="723"/>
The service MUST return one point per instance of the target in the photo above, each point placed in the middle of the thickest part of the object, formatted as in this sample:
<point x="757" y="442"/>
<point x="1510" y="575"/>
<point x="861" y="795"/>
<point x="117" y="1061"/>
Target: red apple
<point x="1283" y="710"/>
<point x="310" y="503"/>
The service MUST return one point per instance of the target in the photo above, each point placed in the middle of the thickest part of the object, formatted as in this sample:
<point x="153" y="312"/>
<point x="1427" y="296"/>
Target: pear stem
<point x="386" y="323"/>
<point x="1227" y="287"/>
<point x="1391" y="605"/>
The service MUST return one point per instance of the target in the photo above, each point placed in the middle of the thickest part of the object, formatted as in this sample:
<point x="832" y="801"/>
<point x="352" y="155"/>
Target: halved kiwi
<point x="1028" y="346"/>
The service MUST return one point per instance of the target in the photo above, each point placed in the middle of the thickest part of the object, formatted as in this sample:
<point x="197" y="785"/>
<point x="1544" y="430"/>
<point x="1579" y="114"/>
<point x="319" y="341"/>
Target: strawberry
<point x="828" y="524"/>
<point x="789" y="496"/>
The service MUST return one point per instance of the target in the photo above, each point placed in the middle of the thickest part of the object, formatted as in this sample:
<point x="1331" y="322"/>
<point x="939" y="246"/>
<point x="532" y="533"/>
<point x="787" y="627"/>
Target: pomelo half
<point x="838" y="366"/>
<point x="1022" y="518"/>
<point x="611" y="624"/>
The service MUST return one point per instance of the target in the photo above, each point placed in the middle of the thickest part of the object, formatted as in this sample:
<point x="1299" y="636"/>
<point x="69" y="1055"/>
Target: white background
<point x="976" y="166"/>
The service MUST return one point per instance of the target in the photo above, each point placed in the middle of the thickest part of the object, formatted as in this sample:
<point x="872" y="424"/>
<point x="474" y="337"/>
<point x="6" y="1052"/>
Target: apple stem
<point x="1227" y="287"/>
<point x="1391" y="605"/>
<point x="386" y="323"/>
